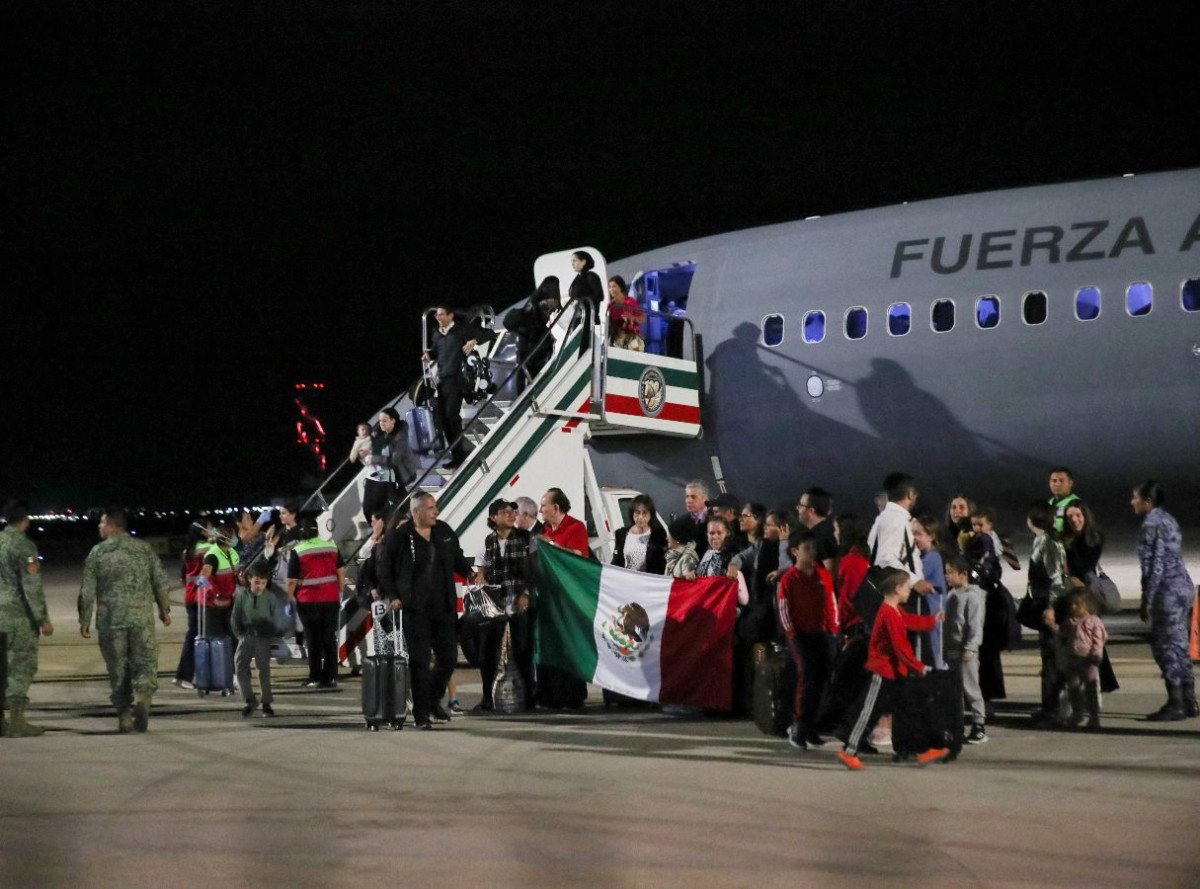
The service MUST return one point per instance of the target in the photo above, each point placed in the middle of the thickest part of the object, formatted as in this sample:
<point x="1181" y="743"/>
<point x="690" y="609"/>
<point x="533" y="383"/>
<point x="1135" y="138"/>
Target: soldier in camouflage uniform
<point x="22" y="614"/>
<point x="1167" y="595"/>
<point x="123" y="579"/>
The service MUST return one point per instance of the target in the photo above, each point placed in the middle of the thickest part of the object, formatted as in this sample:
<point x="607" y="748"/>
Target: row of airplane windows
<point x="1139" y="300"/>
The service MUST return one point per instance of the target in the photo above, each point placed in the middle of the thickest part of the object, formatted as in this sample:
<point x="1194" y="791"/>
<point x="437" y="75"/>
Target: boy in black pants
<point x="889" y="659"/>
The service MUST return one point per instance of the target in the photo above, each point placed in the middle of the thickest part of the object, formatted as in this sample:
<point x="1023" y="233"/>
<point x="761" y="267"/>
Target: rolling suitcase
<point x="214" y="658"/>
<point x="775" y="678"/>
<point x="385" y="671"/>
<point x="422" y="432"/>
<point x="928" y="714"/>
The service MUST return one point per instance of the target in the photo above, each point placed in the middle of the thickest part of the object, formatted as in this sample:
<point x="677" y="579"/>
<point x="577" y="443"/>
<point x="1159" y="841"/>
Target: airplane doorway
<point x="665" y="293"/>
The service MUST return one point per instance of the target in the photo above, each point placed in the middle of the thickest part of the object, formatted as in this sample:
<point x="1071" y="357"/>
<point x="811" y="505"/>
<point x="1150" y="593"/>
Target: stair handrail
<point x="547" y="335"/>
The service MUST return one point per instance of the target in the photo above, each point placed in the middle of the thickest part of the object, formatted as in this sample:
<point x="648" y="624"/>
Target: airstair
<point x="524" y="443"/>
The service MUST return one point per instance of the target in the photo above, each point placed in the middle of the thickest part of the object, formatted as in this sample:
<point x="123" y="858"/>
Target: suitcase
<point x="775" y="678"/>
<point x="385" y="676"/>
<point x="928" y="714"/>
<point x="214" y="660"/>
<point x="422" y="432"/>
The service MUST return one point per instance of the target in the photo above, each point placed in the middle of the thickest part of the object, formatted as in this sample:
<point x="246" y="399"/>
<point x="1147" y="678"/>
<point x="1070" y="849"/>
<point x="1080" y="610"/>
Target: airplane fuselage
<point x="974" y="341"/>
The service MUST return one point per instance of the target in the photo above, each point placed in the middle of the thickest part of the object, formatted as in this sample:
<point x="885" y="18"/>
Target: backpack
<point x="867" y="598"/>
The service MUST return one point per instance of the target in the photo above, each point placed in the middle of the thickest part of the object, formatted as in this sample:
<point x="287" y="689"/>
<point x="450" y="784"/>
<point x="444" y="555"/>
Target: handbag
<point x="1030" y="610"/>
<point x="480" y="610"/>
<point x="1105" y="591"/>
<point x="508" y="689"/>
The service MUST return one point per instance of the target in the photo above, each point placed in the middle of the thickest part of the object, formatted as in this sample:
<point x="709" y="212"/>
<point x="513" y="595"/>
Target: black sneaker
<point x="249" y="708"/>
<point x="438" y="714"/>
<point x="424" y="726"/>
<point x="978" y="735"/>
<point x="813" y="742"/>
<point x="268" y="710"/>
<point x="483" y="707"/>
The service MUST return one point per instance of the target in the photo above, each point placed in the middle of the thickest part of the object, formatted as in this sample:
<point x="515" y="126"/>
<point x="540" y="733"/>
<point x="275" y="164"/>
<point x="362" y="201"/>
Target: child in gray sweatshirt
<point x="963" y="632"/>
<point x="256" y="620"/>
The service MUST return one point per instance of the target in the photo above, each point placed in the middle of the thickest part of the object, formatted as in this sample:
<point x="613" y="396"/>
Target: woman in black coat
<point x="642" y="544"/>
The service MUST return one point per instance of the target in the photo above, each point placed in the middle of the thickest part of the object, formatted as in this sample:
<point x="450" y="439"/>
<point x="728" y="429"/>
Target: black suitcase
<point x="385" y="676"/>
<point x="775" y="678"/>
<point x="928" y="714"/>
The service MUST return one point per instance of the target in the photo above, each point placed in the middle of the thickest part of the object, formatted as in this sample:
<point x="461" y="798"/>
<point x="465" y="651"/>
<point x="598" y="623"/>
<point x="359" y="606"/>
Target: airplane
<point x="974" y="342"/>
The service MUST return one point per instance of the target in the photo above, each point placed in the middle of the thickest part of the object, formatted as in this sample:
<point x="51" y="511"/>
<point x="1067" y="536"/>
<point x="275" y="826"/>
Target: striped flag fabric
<point x="650" y="637"/>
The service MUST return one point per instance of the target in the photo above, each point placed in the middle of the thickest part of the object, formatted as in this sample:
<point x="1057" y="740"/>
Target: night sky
<point x="208" y="202"/>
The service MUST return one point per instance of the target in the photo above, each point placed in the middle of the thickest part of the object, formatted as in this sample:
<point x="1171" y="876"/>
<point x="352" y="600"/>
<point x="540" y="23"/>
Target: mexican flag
<point x="650" y="637"/>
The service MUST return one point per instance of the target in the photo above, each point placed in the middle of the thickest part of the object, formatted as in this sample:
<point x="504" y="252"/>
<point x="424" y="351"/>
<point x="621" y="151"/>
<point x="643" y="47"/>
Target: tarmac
<point x="600" y="798"/>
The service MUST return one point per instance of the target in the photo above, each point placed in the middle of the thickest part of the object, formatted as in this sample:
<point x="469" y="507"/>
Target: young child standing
<point x="256" y="621"/>
<point x="1081" y="638"/>
<point x="808" y="614"/>
<point x="889" y="660"/>
<point x="965" y="606"/>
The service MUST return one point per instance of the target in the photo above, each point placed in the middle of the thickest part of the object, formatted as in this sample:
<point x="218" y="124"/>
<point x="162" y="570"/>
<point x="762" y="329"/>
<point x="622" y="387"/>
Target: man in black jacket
<point x="449" y="347"/>
<point x="418" y="564"/>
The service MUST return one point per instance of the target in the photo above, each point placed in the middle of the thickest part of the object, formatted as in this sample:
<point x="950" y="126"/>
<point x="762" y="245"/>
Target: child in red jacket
<point x="808" y="613"/>
<point x="889" y="660"/>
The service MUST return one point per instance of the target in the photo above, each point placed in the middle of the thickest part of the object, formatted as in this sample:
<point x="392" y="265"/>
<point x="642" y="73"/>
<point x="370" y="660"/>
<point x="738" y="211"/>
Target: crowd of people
<point x="939" y="606"/>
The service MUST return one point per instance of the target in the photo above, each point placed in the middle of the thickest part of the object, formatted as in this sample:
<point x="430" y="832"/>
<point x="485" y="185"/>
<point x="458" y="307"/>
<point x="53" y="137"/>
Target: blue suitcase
<point x="422" y="432"/>
<point x="214" y="660"/>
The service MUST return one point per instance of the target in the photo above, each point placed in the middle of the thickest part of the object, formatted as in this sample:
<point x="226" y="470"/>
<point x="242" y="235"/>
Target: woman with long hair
<point x="642" y="544"/>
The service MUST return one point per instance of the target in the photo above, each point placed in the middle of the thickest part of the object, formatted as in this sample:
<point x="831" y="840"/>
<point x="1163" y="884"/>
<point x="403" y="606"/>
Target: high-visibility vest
<point x="223" y="580"/>
<point x="193" y="564"/>
<point x="318" y="581"/>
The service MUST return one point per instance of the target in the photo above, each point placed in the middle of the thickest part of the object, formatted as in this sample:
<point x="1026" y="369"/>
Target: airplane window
<point x="941" y="316"/>
<point x="856" y="323"/>
<point x="814" y="327"/>
<point x="987" y="312"/>
<point x="1087" y="303"/>
<point x="772" y="330"/>
<point x="1139" y="299"/>
<point x="1189" y="295"/>
<point x="899" y="319"/>
<point x="1033" y="307"/>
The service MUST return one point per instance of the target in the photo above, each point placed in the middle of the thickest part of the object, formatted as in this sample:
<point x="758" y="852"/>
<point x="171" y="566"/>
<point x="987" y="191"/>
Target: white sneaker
<point x="880" y="737"/>
<point x="184" y="684"/>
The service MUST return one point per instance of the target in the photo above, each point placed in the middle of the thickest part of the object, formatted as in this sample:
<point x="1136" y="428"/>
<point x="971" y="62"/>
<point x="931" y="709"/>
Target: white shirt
<point x="891" y="541"/>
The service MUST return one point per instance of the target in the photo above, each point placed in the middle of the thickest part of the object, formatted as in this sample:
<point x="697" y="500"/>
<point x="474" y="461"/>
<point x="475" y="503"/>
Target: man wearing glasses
<point x="814" y="508"/>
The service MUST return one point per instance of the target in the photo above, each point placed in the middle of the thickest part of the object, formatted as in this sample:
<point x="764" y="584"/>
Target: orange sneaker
<point x="933" y="754"/>
<point x="853" y="763"/>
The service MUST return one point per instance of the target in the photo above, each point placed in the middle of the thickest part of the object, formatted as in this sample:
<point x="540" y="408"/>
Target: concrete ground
<point x="612" y="799"/>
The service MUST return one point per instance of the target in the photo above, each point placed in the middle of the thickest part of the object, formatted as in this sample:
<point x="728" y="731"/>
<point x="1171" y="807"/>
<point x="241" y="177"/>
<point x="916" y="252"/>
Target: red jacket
<point x="571" y="534"/>
<point x="889" y="654"/>
<point x="852" y="568"/>
<point x="806" y="602"/>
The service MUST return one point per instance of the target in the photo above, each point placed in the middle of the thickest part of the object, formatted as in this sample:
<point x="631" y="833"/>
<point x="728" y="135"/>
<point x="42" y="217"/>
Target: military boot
<point x="1172" y="710"/>
<point x="17" y="727"/>
<point x="1190" y="706"/>
<point x="141" y="713"/>
<point x="124" y="722"/>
